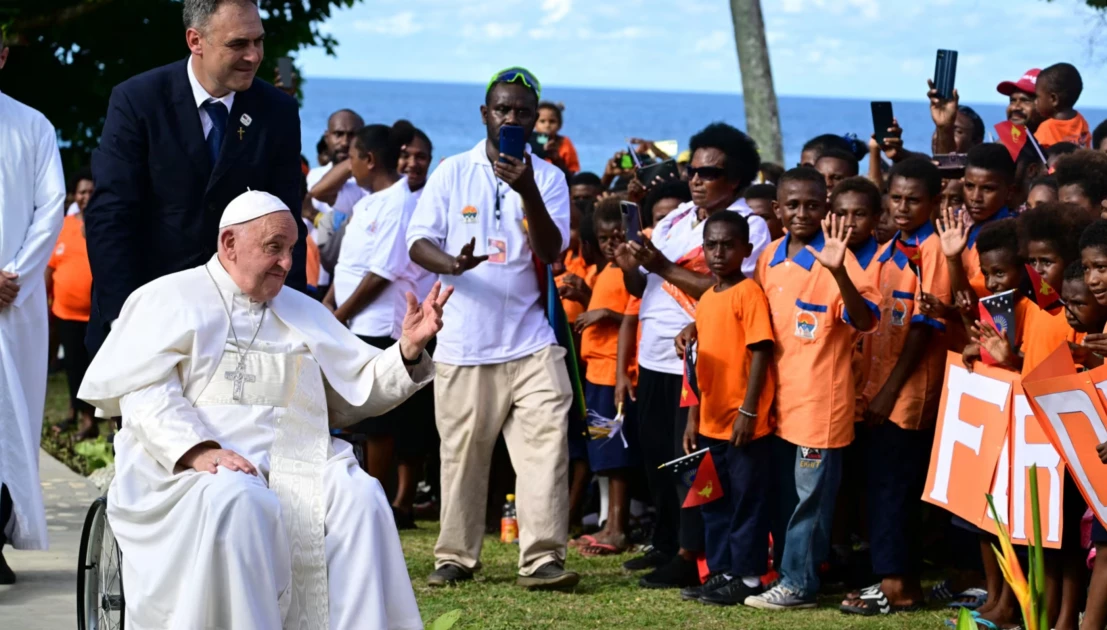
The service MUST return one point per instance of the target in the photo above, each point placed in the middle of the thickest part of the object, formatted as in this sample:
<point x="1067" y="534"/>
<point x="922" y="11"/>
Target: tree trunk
<point x="762" y="114"/>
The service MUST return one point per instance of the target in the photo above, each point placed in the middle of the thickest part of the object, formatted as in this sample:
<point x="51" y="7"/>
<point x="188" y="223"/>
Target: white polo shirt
<point x="374" y="243"/>
<point x="495" y="314"/>
<point x="661" y="317"/>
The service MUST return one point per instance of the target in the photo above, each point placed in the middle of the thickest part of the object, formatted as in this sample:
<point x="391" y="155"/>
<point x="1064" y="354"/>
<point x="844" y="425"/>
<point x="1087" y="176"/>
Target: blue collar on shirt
<point x="803" y="258"/>
<point x="891" y="252"/>
<point x="974" y="231"/>
<point x="866" y="252"/>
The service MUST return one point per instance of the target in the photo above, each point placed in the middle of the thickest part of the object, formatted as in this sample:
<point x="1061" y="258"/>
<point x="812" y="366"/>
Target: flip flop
<point x="582" y="541"/>
<point x="600" y="549"/>
<point x="978" y="595"/>
<point x="941" y="592"/>
<point x="875" y="602"/>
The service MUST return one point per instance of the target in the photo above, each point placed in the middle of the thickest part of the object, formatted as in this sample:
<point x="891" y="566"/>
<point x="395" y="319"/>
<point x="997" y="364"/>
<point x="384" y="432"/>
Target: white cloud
<point x="714" y="42"/>
<point x="774" y="37"/>
<point x="399" y="25"/>
<point x="792" y="6"/>
<point x="555" y="10"/>
<point x="492" y="30"/>
<point x="627" y="32"/>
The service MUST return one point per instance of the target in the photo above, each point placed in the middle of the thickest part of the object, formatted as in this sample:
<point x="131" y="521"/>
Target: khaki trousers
<point x="528" y="399"/>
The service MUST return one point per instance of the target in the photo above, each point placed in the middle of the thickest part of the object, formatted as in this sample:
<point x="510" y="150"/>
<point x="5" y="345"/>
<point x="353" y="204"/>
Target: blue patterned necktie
<point x="218" y="113"/>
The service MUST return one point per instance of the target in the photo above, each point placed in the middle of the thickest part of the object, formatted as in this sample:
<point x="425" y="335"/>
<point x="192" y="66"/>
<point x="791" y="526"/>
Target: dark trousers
<point x="71" y="336"/>
<point x="897" y="462"/>
<point x="736" y="526"/>
<point x="661" y="424"/>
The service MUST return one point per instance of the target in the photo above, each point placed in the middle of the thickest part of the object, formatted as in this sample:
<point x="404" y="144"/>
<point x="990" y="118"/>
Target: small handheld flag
<point x="689" y="389"/>
<point x="1036" y="288"/>
<point x="1013" y="137"/>
<point x="697" y="470"/>
<point x="914" y="260"/>
<point x="998" y="311"/>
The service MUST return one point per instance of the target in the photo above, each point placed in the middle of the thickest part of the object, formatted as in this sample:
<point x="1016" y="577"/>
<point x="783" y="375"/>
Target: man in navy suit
<point x="179" y="143"/>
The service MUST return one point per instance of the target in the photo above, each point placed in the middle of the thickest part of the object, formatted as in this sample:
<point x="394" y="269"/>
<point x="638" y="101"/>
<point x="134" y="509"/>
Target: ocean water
<point x="600" y="121"/>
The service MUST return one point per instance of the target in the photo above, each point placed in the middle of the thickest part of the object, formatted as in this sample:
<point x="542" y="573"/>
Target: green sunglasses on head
<point x="511" y="75"/>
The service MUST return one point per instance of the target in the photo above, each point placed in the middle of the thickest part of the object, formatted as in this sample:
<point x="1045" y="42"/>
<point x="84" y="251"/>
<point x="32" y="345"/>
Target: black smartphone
<point x="951" y="165"/>
<point x="632" y="221"/>
<point x="511" y="141"/>
<point x="284" y="71"/>
<point x="882" y="120"/>
<point x="945" y="71"/>
<point x="665" y="170"/>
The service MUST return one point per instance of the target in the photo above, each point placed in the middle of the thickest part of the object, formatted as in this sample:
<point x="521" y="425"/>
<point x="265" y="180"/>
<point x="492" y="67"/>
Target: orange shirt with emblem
<point x="727" y="323"/>
<point x="815" y="342"/>
<point x="917" y="401"/>
<point x="866" y="255"/>
<point x="599" y="343"/>
<point x="72" y="273"/>
<point x="1074" y="130"/>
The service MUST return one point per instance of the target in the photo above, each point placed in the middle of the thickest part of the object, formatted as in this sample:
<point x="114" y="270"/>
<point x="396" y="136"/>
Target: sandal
<point x="941" y="592"/>
<point x="977" y="595"/>
<point x="582" y="541"/>
<point x="597" y="549"/>
<point x="873" y="601"/>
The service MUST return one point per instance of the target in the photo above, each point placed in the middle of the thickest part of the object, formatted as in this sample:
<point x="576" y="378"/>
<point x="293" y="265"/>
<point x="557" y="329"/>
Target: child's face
<point x="723" y="250"/>
<point x="802" y="207"/>
<point x="549" y="122"/>
<point x="585" y="191"/>
<point x="1082" y="312"/>
<point x="910" y="204"/>
<point x="1045" y="101"/>
<point x="1001" y="269"/>
<point x="953" y="194"/>
<point x="1040" y="194"/>
<point x="663" y="207"/>
<point x="610" y="237"/>
<point x="986" y="193"/>
<point x="1043" y="257"/>
<point x="833" y="171"/>
<point x="809" y="157"/>
<point x="764" y="208"/>
<point x="858" y="213"/>
<point x="885" y="229"/>
<point x="1094" y="260"/>
<point x="1074" y="194"/>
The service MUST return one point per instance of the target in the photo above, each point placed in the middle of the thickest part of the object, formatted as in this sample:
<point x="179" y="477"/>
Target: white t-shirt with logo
<point x="495" y="314"/>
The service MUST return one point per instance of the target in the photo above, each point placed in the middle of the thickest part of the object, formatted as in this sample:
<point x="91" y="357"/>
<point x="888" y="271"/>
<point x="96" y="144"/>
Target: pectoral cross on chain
<point x="241" y="132"/>
<point x="240" y="378"/>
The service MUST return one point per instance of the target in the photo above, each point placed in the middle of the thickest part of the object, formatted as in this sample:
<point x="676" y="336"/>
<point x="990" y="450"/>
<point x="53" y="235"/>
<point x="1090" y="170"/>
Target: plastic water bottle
<point x="509" y="525"/>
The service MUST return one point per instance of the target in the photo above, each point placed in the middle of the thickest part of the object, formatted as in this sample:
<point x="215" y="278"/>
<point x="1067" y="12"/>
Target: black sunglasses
<point x="706" y="173"/>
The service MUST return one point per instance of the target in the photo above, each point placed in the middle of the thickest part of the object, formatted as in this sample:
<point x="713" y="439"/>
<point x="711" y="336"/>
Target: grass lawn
<point x="607" y="597"/>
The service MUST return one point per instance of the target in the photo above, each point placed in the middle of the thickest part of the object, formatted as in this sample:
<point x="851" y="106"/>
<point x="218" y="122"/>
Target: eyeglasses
<point x="706" y="173"/>
<point x="511" y="75"/>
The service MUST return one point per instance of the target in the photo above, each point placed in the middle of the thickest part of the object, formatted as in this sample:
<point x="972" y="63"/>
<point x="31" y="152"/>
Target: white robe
<point x="32" y="194"/>
<point x="310" y="542"/>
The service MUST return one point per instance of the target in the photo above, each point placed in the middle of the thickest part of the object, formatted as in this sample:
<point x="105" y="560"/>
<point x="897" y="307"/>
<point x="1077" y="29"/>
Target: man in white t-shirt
<point x="481" y="222"/>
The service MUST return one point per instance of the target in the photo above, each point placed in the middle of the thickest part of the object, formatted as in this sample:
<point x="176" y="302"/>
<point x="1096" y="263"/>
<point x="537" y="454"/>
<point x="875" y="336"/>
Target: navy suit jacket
<point x="159" y="199"/>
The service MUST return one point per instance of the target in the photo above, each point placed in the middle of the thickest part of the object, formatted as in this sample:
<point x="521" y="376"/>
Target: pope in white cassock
<point x="232" y="504"/>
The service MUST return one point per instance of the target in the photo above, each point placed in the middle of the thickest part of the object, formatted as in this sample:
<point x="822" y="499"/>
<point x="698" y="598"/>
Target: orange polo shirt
<point x="72" y="273"/>
<point x="970" y="258"/>
<point x="1074" y="130"/>
<point x="313" y="266"/>
<point x="574" y="264"/>
<point x="815" y="342"/>
<point x="866" y="256"/>
<point x="1043" y="333"/>
<point x="917" y="402"/>
<point x="599" y="343"/>
<point x="727" y="323"/>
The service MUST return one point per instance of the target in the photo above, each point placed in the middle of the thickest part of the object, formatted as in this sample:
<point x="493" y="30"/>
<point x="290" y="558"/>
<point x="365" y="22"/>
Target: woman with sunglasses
<point x="724" y="162"/>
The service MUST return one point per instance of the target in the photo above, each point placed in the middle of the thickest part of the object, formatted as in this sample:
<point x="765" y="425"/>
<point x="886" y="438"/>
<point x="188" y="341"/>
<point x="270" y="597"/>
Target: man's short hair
<point x="1063" y="79"/>
<point x="1001" y="235"/>
<point x="803" y="174"/>
<point x="845" y="156"/>
<point x="822" y="143"/>
<point x="977" y="122"/>
<point x="919" y="168"/>
<point x="992" y="157"/>
<point x="196" y="13"/>
<point x="1062" y="148"/>
<point x="735" y="221"/>
<point x="586" y="178"/>
<point x="1087" y="169"/>
<point x="861" y="186"/>
<point x="743" y="162"/>
<point x="321" y="146"/>
<point x="760" y="191"/>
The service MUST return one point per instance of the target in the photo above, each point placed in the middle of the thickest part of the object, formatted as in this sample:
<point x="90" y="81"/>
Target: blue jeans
<point x="818" y="474"/>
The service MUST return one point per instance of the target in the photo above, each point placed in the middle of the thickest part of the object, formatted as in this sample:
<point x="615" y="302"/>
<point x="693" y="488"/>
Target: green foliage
<point x="445" y="622"/>
<point x="67" y="55"/>
<point x="97" y="453"/>
<point x="965" y="620"/>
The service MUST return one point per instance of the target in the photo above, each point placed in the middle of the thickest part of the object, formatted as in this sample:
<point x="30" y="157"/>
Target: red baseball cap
<point x="1027" y="83"/>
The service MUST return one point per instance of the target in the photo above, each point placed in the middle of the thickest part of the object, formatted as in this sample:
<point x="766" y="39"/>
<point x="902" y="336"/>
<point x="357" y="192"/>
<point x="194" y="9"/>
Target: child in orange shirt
<point x="1058" y="88"/>
<point x="559" y="149"/>
<point x="820" y="300"/>
<point x="904" y="388"/>
<point x="733" y="419"/>
<point x="611" y="456"/>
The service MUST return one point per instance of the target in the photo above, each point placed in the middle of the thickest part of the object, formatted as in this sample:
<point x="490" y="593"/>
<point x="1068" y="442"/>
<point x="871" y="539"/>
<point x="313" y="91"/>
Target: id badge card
<point x="497" y="250"/>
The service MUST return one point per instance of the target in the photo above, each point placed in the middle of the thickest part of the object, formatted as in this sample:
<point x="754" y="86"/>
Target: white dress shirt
<point x="495" y="314"/>
<point x="201" y="95"/>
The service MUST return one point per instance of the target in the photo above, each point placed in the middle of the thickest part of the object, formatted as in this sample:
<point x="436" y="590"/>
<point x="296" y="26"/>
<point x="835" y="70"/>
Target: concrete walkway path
<point x="45" y="595"/>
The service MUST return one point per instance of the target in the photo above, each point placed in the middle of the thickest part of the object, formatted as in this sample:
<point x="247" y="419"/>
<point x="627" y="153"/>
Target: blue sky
<point x="844" y="48"/>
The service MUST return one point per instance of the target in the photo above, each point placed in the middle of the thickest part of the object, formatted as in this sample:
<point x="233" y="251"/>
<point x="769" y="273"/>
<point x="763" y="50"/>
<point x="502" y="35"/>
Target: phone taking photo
<point x="284" y="71"/>
<point x="882" y="120"/>
<point x="632" y="221"/>
<point x="511" y="141"/>
<point x="945" y="71"/>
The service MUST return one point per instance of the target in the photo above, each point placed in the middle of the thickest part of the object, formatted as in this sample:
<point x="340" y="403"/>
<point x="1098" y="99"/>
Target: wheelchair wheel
<point x="99" y="573"/>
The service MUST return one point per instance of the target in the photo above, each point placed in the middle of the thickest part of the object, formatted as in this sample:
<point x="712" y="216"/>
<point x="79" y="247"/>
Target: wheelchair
<point x="100" y="601"/>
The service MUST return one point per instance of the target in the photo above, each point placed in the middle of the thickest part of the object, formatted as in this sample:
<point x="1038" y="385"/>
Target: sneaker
<point x="695" y="592"/>
<point x="678" y="573"/>
<point x="732" y="593"/>
<point x="652" y="559"/>
<point x="449" y="575"/>
<point x="779" y="597"/>
<point x="551" y="576"/>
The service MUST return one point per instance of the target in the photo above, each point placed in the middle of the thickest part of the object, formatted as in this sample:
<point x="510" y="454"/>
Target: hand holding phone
<point x="632" y="221"/>
<point x="883" y="120"/>
<point x="511" y="141"/>
<point x="945" y="71"/>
